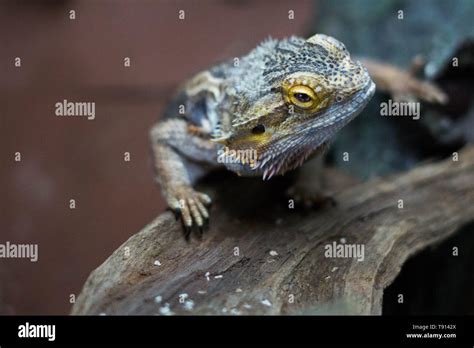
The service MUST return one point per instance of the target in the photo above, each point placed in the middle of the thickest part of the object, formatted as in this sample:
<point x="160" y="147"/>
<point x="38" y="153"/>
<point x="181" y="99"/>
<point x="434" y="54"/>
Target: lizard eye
<point x="302" y="97"/>
<point x="306" y="98"/>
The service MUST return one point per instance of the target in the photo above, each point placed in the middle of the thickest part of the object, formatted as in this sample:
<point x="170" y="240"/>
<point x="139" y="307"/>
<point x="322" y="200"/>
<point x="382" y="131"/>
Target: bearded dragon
<point x="259" y="115"/>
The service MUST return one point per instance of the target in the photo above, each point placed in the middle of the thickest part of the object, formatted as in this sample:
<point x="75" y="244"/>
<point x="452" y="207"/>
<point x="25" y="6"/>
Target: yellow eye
<point x="302" y="97"/>
<point x="308" y="98"/>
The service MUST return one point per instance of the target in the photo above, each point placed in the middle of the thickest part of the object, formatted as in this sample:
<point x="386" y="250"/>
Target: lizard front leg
<point x="177" y="157"/>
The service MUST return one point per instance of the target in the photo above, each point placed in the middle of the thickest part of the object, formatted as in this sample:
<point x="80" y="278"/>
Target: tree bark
<point x="260" y="256"/>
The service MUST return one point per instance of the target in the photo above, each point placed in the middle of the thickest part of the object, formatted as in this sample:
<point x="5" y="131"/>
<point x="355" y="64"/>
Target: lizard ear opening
<point x="258" y="129"/>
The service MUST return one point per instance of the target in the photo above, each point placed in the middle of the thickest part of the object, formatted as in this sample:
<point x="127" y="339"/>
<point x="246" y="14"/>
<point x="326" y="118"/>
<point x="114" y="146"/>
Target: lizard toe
<point x="190" y="207"/>
<point x="204" y="198"/>
<point x="196" y="214"/>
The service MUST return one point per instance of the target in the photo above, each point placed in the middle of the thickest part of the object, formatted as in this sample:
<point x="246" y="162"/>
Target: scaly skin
<point x="281" y="104"/>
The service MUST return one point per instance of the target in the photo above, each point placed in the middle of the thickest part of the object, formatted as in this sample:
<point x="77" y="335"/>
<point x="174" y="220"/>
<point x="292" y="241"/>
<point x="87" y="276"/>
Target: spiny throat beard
<point x="279" y="162"/>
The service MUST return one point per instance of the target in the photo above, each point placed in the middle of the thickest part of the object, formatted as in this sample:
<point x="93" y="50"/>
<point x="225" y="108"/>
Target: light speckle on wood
<point x="165" y="310"/>
<point x="189" y="305"/>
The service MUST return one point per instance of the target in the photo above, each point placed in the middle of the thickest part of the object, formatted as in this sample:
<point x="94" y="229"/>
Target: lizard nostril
<point x="258" y="129"/>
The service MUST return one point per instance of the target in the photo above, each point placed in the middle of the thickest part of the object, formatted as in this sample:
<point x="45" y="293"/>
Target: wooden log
<point x="262" y="257"/>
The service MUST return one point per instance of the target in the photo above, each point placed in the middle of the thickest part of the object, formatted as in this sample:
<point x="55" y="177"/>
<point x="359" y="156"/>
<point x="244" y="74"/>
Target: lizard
<point x="263" y="114"/>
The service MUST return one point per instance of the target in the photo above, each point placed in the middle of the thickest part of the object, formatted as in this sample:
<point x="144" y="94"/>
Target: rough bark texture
<point x="281" y="251"/>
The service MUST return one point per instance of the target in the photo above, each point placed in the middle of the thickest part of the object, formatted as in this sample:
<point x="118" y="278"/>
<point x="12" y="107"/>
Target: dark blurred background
<point x="64" y="158"/>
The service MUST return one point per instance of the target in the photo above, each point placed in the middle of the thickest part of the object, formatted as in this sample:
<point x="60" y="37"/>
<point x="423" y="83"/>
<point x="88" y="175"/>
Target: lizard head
<point x="290" y="98"/>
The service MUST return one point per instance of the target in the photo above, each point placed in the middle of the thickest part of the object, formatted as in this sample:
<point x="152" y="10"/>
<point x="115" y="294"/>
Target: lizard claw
<point x="177" y="213"/>
<point x="191" y="207"/>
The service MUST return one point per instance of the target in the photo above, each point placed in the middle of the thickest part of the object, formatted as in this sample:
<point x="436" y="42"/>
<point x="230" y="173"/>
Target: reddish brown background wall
<point x="64" y="158"/>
